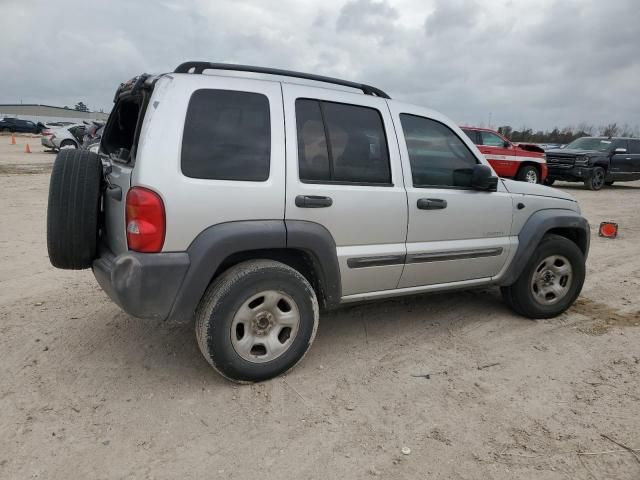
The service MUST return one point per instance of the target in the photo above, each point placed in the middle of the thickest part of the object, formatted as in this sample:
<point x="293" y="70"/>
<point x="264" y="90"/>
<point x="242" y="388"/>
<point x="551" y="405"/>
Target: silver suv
<point x="250" y="199"/>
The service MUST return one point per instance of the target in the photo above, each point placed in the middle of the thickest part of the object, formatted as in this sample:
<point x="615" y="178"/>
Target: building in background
<point x="47" y="113"/>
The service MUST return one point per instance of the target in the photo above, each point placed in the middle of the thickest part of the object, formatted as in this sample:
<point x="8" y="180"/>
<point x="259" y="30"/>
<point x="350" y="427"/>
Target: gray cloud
<point x="538" y="63"/>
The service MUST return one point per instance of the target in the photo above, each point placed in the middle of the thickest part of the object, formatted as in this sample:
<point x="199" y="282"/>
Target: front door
<point x="343" y="172"/>
<point x="455" y="234"/>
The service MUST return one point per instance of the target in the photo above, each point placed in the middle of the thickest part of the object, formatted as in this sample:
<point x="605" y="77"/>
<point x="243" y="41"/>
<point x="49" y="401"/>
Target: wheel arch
<point x="305" y="246"/>
<point x="566" y="223"/>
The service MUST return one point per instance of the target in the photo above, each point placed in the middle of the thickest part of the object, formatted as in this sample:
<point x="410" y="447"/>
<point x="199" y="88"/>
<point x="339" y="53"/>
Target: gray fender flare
<point x="535" y="228"/>
<point x="213" y="245"/>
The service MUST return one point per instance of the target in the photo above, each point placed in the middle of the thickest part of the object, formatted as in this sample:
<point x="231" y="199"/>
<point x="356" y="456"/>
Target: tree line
<point x="568" y="134"/>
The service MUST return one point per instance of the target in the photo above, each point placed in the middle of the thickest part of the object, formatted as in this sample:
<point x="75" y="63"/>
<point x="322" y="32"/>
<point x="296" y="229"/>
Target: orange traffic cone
<point x="27" y="149"/>
<point x="13" y="139"/>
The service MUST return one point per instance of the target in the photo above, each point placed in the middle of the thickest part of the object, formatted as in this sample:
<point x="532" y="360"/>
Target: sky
<point x="534" y="63"/>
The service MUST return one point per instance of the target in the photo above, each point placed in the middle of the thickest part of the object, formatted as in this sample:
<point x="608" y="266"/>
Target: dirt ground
<point x="474" y="391"/>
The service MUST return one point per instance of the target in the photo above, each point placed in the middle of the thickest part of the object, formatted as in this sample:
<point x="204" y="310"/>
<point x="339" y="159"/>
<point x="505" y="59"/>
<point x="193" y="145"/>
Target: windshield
<point x="590" y="143"/>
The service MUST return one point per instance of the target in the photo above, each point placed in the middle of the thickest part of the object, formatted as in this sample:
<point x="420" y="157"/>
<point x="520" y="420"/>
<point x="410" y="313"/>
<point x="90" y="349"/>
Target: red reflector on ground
<point x="608" y="229"/>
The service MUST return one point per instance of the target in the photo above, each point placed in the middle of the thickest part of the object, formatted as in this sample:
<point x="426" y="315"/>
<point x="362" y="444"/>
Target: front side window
<point x="634" y="146"/>
<point x="341" y="143"/>
<point x="227" y="136"/>
<point x="437" y="155"/>
<point x="491" y="140"/>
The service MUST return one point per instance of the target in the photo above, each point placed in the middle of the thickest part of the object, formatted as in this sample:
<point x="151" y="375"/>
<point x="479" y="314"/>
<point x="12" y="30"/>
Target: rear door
<point x="343" y="172"/>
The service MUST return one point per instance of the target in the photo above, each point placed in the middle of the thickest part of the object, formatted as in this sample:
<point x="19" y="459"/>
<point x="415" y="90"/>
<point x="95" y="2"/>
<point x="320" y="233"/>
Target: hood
<point x="525" y="188"/>
<point x="561" y="152"/>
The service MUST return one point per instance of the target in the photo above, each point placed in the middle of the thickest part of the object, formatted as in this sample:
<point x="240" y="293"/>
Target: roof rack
<point x="199" y="67"/>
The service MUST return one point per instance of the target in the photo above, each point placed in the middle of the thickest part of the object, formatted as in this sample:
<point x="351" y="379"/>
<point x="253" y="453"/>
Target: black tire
<point x="5" y="130"/>
<point x="73" y="210"/>
<point x="608" y="184"/>
<point x="520" y="296"/>
<point x="596" y="181"/>
<point x="228" y="293"/>
<point x="549" y="181"/>
<point x="528" y="172"/>
<point x="68" y="143"/>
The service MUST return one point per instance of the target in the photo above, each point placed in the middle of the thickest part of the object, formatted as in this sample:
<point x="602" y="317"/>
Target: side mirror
<point x="482" y="178"/>
<point x="620" y="150"/>
<point x="507" y="144"/>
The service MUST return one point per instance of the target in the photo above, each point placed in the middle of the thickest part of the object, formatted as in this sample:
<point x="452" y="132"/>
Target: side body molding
<point x="535" y="228"/>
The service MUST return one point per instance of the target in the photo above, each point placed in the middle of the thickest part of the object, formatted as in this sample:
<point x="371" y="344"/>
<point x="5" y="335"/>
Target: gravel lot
<point x="88" y="392"/>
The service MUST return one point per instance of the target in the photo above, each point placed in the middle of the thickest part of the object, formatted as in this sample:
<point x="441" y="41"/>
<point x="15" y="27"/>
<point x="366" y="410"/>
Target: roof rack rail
<point x="199" y="67"/>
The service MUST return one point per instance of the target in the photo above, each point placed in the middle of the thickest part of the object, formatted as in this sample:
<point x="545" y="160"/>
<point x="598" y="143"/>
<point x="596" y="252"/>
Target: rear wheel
<point x="596" y="181"/>
<point x="257" y="320"/>
<point x="550" y="282"/>
<point x="528" y="173"/>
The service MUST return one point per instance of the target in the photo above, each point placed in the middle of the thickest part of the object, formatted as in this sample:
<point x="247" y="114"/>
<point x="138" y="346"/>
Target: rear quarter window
<point x="227" y="136"/>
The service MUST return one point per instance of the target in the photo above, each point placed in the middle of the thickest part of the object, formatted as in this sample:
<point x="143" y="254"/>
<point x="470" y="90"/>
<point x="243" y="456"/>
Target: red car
<point x="521" y="161"/>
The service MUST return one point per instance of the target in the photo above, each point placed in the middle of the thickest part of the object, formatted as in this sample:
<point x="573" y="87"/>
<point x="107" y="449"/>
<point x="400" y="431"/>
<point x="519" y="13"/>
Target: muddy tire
<point x="596" y="181"/>
<point x="528" y="173"/>
<point x="73" y="209"/>
<point x="256" y="321"/>
<point x="551" y="280"/>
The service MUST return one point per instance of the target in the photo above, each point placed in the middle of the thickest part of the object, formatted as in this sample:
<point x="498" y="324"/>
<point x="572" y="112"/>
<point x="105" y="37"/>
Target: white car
<point x="65" y="137"/>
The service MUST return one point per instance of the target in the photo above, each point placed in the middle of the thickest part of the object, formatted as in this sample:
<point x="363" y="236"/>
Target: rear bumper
<point x="571" y="174"/>
<point x="144" y="285"/>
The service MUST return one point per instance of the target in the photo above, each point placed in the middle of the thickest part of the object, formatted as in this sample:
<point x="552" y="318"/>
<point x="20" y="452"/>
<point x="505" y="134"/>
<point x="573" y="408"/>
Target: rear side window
<point x="437" y="155"/>
<point x="634" y="146"/>
<point x="339" y="143"/>
<point x="227" y="136"/>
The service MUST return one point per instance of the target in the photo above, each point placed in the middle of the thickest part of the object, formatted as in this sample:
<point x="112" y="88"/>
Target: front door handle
<point x="313" y="201"/>
<point x="431" y="204"/>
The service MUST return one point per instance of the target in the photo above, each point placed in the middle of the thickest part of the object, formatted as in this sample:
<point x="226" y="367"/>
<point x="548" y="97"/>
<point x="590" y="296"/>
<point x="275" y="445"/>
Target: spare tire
<point x="74" y="209"/>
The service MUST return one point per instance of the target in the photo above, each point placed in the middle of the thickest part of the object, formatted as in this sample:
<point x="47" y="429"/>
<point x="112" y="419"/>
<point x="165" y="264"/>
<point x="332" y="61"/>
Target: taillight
<point x="145" y="220"/>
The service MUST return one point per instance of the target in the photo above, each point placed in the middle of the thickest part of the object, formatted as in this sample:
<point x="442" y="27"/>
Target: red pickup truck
<point x="521" y="161"/>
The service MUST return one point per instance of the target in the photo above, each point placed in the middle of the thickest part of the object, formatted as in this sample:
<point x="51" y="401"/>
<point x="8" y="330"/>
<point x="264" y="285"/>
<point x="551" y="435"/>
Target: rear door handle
<point x="431" y="204"/>
<point x="313" y="201"/>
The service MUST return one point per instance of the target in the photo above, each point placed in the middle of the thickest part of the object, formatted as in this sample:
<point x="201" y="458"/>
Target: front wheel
<point x="257" y="320"/>
<point x="596" y="181"/>
<point x="528" y="173"/>
<point x="550" y="282"/>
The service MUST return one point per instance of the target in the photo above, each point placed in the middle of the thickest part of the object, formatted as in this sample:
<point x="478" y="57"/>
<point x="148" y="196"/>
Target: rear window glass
<point x="227" y="136"/>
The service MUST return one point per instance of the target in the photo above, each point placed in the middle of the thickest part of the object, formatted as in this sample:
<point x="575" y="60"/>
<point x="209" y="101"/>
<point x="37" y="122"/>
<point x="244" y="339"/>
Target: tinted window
<point x="313" y="154"/>
<point x="619" y="143"/>
<point x="491" y="140"/>
<point x="437" y="155"/>
<point x="634" y="146"/>
<point x="341" y="143"/>
<point x="472" y="134"/>
<point x="227" y="136"/>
